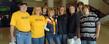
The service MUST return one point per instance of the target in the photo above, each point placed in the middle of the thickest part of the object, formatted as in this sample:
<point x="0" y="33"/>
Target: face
<point x="72" y="9"/>
<point x="23" y="7"/>
<point x="44" y="9"/>
<point x="86" y="11"/>
<point x="80" y="6"/>
<point x="62" y="10"/>
<point x="38" y="10"/>
<point x="51" y="13"/>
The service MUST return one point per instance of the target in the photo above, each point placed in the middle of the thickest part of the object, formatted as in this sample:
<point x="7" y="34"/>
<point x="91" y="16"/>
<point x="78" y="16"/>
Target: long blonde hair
<point x="34" y="10"/>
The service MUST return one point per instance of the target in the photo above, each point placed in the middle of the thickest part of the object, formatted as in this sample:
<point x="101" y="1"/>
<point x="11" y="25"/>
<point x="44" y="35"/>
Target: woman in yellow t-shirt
<point x="38" y="24"/>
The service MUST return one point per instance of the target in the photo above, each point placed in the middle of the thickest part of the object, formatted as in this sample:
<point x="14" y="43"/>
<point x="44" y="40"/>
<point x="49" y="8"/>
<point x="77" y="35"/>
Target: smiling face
<point x="51" y="12"/>
<point x="72" y="9"/>
<point x="86" y="10"/>
<point x="62" y="10"/>
<point x="23" y="7"/>
<point x="38" y="10"/>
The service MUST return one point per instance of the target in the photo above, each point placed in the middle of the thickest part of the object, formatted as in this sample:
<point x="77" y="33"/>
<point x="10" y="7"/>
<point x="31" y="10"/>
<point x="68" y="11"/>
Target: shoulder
<point x="16" y="12"/>
<point x="93" y="14"/>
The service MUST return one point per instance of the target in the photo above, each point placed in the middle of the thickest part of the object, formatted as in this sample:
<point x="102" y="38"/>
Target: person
<point x="62" y="25"/>
<point x="73" y="27"/>
<point x="45" y="14"/>
<point x="38" y="24"/>
<point x="90" y="26"/>
<point x="20" y="24"/>
<point x="44" y="11"/>
<point x="1" y="20"/>
<point x="51" y="25"/>
<point x="79" y="8"/>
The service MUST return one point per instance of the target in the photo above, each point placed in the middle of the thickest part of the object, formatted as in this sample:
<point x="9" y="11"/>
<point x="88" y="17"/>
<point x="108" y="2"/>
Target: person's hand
<point x="78" y="36"/>
<point x="75" y="37"/>
<point x="97" y="36"/>
<point x="93" y="36"/>
<point x="54" y="33"/>
<point x="13" y="39"/>
<point x="47" y="29"/>
<point x="0" y="18"/>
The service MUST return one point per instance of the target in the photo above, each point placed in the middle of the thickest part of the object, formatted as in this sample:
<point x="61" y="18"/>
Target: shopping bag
<point x="12" y="42"/>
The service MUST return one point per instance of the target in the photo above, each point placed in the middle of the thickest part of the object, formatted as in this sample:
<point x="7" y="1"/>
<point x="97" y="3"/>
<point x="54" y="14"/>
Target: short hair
<point x="80" y="3"/>
<point x="86" y="6"/>
<point x="62" y="7"/>
<point x="50" y="9"/>
<point x="20" y="4"/>
<point x="72" y="5"/>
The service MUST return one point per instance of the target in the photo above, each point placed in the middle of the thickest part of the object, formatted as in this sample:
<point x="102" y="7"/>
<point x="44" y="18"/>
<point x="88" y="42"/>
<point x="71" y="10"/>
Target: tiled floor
<point x="104" y="35"/>
<point x="4" y="35"/>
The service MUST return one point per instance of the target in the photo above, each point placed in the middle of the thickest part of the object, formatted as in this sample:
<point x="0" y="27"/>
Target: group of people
<point x="77" y="25"/>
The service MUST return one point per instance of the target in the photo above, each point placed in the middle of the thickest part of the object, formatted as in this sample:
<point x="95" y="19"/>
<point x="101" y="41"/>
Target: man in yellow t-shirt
<point x="21" y="22"/>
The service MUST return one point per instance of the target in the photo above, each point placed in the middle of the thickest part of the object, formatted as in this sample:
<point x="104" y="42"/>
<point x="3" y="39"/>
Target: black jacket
<point x="73" y="24"/>
<point x="62" y="24"/>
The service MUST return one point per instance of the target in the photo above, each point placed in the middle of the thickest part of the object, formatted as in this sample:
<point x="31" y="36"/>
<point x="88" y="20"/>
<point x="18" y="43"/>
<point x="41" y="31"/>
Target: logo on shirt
<point x="38" y="19"/>
<point x="24" y="17"/>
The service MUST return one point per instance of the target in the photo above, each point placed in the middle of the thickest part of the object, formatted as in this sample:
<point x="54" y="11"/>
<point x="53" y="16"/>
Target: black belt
<point x="23" y="31"/>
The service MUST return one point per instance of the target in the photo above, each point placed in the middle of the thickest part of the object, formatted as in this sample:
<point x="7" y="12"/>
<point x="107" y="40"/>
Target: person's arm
<point x="98" y="30"/>
<point x="12" y="27"/>
<point x="12" y="33"/>
<point x="46" y="29"/>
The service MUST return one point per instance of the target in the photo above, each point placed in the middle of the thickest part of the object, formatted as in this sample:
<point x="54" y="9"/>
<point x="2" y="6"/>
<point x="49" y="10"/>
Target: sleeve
<point x="46" y="28"/>
<point x="13" y="19"/>
<point x="30" y="19"/>
<point x="45" y="20"/>
<point x="97" y="21"/>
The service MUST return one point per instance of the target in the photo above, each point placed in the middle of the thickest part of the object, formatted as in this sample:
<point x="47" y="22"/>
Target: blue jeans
<point x="23" y="37"/>
<point x="64" y="38"/>
<point x="38" y="40"/>
<point x="57" y="39"/>
<point x="53" y="39"/>
<point x="88" y="42"/>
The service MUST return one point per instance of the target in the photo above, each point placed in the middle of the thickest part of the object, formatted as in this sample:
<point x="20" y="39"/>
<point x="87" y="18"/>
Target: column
<point x="50" y="3"/>
<point x="84" y="1"/>
<point x="64" y="2"/>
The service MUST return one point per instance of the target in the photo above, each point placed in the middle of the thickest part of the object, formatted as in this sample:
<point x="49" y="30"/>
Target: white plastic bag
<point x="77" y="41"/>
<point x="74" y="40"/>
<point x="70" y="41"/>
<point x="12" y="43"/>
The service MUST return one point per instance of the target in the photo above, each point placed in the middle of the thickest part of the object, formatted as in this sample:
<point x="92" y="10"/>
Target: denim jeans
<point x="63" y="38"/>
<point x="23" y="37"/>
<point x="38" y="40"/>
<point x="57" y="39"/>
<point x="53" y="39"/>
<point x="88" y="42"/>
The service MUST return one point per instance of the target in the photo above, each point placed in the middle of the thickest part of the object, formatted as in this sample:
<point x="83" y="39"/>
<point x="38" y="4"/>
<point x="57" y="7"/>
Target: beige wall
<point x="84" y="1"/>
<point x="99" y="4"/>
<point x="33" y="3"/>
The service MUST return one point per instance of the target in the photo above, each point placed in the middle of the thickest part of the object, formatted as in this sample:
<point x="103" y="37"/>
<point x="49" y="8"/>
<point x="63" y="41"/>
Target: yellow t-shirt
<point x="38" y="24"/>
<point x="21" y="21"/>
